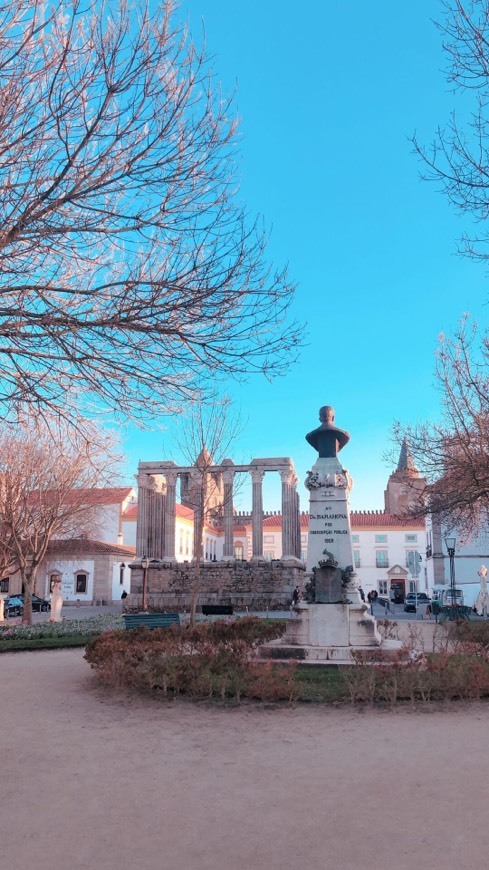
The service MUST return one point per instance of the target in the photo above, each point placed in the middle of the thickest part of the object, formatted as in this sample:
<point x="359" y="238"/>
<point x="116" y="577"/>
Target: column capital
<point x="288" y="475"/>
<point x="257" y="474"/>
<point x="171" y="477"/>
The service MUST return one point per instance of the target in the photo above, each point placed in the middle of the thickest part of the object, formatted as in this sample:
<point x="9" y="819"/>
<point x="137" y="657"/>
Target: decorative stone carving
<point x="312" y="480"/>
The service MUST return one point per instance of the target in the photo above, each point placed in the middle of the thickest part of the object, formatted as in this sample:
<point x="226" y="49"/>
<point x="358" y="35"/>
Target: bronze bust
<point x="327" y="439"/>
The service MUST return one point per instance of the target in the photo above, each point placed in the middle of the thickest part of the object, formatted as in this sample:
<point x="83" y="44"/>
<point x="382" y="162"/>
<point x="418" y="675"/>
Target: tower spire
<point x="406" y="461"/>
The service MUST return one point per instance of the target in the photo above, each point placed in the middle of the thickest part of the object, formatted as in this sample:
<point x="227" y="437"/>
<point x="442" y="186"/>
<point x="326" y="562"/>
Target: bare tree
<point x="458" y="160"/>
<point x="205" y="439"/>
<point x="130" y="274"/>
<point x="46" y="476"/>
<point x="454" y="454"/>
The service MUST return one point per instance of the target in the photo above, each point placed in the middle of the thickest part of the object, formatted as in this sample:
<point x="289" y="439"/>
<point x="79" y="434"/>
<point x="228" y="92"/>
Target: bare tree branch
<point x="130" y="275"/>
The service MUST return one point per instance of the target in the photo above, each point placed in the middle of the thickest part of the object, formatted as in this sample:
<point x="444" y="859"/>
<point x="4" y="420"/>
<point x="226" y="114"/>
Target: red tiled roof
<point x="95" y="496"/>
<point x="84" y="546"/>
<point x="358" y="519"/>
<point x="366" y="519"/>
<point x="185" y="512"/>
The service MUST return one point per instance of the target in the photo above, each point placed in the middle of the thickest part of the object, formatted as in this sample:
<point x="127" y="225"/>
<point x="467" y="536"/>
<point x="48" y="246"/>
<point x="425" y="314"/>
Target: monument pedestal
<point x="329" y="632"/>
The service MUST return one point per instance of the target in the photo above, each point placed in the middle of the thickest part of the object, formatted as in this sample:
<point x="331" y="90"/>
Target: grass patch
<point x="19" y="644"/>
<point x="321" y="684"/>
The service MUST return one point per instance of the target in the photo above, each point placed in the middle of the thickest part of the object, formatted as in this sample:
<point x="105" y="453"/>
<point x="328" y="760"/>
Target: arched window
<point x="81" y="582"/>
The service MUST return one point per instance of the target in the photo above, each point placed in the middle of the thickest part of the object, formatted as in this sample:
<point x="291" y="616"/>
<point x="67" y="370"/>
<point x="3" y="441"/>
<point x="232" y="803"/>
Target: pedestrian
<point x="296" y="597"/>
<point x="372" y="597"/>
<point x="362" y="593"/>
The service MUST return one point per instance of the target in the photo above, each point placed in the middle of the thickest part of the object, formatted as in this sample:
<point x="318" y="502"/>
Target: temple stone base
<point x="326" y="633"/>
<point x="257" y="585"/>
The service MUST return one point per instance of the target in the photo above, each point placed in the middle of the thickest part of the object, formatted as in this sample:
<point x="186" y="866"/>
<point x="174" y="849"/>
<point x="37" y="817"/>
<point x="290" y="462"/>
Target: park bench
<point x="217" y="610"/>
<point x="150" y="620"/>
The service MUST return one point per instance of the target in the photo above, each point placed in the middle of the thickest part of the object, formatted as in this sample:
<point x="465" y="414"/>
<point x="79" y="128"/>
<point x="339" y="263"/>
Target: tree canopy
<point x="131" y="276"/>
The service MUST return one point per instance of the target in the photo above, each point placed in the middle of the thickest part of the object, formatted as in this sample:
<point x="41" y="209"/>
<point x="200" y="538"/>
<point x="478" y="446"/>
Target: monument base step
<point x="332" y="655"/>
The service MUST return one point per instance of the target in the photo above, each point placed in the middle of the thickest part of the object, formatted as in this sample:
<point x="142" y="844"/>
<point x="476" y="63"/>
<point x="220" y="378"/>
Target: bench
<point x="150" y="620"/>
<point x="217" y="610"/>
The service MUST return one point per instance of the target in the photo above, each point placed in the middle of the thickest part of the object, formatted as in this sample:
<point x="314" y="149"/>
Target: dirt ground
<point x="103" y="782"/>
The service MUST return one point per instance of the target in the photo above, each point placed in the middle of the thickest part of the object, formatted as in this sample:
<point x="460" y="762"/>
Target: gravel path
<point x="106" y="783"/>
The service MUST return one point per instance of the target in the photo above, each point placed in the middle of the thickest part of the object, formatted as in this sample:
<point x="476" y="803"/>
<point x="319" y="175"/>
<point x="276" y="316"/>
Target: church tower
<point x="203" y="487"/>
<point x="405" y="486"/>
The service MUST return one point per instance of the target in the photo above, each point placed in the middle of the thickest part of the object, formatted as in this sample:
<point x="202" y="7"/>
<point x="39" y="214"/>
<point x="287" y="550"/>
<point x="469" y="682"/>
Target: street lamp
<point x="450" y="545"/>
<point x="145" y="566"/>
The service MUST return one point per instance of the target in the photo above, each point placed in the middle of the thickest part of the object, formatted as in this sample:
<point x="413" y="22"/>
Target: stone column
<point x="289" y="508"/>
<point x="228" y="478"/>
<point x="198" y="528"/>
<point x="257" y="513"/>
<point x="144" y="485"/>
<point x="170" y="499"/>
<point x="151" y="517"/>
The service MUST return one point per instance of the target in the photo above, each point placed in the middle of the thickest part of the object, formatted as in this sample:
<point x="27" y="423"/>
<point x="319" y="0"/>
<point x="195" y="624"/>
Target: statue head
<point x="326" y="414"/>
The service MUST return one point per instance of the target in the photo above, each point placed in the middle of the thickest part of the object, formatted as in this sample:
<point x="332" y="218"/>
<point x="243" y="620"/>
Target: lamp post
<point x="450" y="545"/>
<point x="145" y="566"/>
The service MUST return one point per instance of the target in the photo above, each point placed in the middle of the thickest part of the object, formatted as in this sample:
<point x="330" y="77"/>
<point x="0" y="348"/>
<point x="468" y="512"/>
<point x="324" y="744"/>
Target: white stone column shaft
<point x="257" y="513"/>
<point x="228" y="509"/>
<point x="289" y="506"/>
<point x="151" y="517"/>
<point x="170" y="516"/>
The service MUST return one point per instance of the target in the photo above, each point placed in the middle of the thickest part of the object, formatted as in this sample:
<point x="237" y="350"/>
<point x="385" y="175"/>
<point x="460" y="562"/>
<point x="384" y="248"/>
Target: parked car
<point x="13" y="606"/>
<point x="38" y="604"/>
<point x="413" y="599"/>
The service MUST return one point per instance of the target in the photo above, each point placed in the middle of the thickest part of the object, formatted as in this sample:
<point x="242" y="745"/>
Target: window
<point x="180" y="546"/>
<point x="355" y="539"/>
<point x="187" y="543"/>
<point x="381" y="539"/>
<point x="429" y="546"/>
<point x="381" y="559"/>
<point x="81" y="582"/>
<point x="4" y="584"/>
<point x="268" y="539"/>
<point x="356" y="558"/>
<point x="303" y="539"/>
<point x="413" y="562"/>
<point x="382" y="584"/>
<point x="238" y="550"/>
<point x="121" y="573"/>
<point x="412" y="586"/>
<point x="411" y="539"/>
<point x="268" y="555"/>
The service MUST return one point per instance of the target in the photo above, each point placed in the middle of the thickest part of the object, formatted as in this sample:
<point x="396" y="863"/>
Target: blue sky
<point x="328" y="95"/>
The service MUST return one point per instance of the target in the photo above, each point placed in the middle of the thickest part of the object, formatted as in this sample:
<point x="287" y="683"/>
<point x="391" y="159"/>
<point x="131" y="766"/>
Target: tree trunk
<point x="28" y="583"/>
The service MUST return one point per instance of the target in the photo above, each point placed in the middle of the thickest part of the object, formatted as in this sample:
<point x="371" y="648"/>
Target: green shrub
<point x="203" y="661"/>
<point x="50" y="635"/>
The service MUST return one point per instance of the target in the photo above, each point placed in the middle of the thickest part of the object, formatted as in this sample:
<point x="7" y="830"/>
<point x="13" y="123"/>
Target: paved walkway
<point x="96" y="782"/>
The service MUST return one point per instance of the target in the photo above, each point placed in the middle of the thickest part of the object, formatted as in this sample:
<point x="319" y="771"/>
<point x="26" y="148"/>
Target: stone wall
<point x="256" y="585"/>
